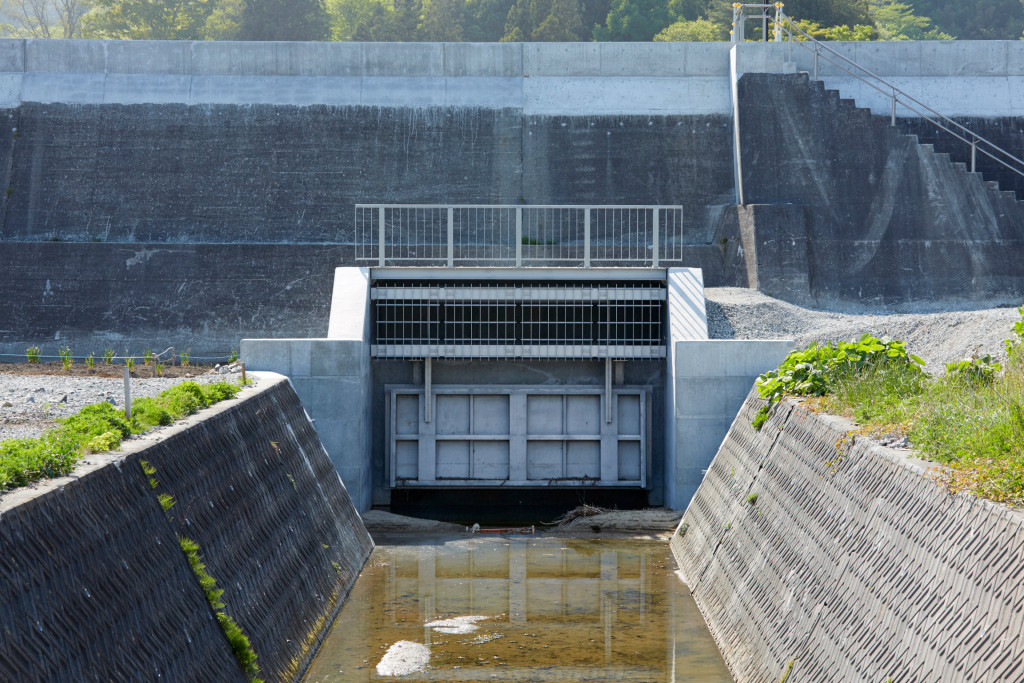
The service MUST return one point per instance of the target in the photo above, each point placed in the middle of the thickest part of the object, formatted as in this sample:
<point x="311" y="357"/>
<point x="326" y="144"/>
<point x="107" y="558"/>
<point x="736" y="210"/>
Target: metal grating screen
<point x="560" y="320"/>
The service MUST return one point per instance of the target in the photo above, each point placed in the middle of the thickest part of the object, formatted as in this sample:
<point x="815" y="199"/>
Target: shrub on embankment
<point x="100" y="427"/>
<point x="970" y="420"/>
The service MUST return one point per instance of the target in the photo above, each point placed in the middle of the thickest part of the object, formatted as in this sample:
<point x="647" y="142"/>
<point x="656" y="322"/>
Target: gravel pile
<point x="30" y="404"/>
<point x="937" y="337"/>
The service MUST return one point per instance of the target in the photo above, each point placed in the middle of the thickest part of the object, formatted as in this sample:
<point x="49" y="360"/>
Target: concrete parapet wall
<point x="710" y="379"/>
<point x="94" y="585"/>
<point x="332" y="378"/>
<point x="955" y="77"/>
<point x="851" y="564"/>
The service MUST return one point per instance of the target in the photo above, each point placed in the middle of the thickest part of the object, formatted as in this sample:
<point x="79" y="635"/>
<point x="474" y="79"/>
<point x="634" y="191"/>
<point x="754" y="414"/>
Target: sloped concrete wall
<point x="851" y="564"/>
<point x="95" y="585"/>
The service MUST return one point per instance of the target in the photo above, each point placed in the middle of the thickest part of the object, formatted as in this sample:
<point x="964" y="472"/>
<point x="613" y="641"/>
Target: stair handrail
<point x="783" y="23"/>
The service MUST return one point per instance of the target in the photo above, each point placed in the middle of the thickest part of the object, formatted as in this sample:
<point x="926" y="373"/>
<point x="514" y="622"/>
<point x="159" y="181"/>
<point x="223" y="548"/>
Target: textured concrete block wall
<point x="851" y="564"/>
<point x="95" y="585"/>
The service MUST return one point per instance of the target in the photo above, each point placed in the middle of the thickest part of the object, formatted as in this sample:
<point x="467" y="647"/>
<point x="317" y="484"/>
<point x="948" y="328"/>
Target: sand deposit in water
<point x="520" y="609"/>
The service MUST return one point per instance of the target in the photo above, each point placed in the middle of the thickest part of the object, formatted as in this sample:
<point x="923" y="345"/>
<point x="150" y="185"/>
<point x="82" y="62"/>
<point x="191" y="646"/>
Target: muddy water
<point x="519" y="609"/>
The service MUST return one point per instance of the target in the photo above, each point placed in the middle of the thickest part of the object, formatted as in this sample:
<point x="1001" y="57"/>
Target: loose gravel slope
<point x="938" y="337"/>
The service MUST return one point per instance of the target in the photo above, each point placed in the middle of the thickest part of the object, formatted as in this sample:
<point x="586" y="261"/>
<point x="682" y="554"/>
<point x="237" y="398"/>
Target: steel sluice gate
<point x="530" y="435"/>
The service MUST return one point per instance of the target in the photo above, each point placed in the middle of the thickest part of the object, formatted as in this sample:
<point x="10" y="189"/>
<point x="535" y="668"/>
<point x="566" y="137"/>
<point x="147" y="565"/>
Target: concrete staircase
<point x="1006" y="202"/>
<point x="877" y="216"/>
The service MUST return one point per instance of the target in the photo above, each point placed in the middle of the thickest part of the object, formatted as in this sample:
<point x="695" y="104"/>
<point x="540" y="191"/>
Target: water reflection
<point x="520" y="609"/>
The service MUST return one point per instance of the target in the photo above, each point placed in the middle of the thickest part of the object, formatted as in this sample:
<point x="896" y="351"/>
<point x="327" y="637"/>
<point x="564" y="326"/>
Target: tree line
<point x="498" y="20"/>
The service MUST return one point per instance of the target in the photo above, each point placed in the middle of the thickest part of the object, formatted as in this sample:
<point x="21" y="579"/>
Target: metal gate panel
<point x="517" y="436"/>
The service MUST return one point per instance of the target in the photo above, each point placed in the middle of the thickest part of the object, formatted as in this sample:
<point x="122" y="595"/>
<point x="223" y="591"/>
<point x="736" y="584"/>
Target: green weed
<point x="233" y="357"/>
<point x="240" y="644"/>
<point x="166" y="501"/>
<point x="186" y="355"/>
<point x="971" y="420"/>
<point x="129" y="361"/>
<point x="32" y="354"/>
<point x="66" y="359"/>
<point x="108" y="356"/>
<point x="90" y="360"/>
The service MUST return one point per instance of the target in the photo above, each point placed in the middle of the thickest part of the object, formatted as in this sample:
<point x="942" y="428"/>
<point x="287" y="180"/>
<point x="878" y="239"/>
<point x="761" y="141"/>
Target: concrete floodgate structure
<point x="534" y="378"/>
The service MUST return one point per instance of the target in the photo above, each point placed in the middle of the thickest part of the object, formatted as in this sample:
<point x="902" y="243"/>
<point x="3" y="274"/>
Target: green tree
<point x="593" y="13"/>
<point x="441" y="20"/>
<point x="831" y="12"/>
<point x="348" y="17"/>
<point x="974" y="19"/>
<point x="697" y="31"/>
<point x="485" y="20"/>
<point x="148" y="19"/>
<point x="223" y="22"/>
<point x="283" y="20"/>
<point x="858" y="32"/>
<point x="897" y="21"/>
<point x="543" y="20"/>
<point x="635" y="20"/>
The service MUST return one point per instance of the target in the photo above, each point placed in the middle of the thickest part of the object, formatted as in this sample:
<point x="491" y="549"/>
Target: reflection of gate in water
<point x="528" y="581"/>
<point x="518" y="436"/>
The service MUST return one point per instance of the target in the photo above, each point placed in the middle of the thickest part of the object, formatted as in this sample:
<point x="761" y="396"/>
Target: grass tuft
<point x="240" y="644"/>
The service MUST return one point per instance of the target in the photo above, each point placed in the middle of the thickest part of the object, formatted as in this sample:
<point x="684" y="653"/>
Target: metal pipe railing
<point x="784" y="25"/>
<point x="519" y="235"/>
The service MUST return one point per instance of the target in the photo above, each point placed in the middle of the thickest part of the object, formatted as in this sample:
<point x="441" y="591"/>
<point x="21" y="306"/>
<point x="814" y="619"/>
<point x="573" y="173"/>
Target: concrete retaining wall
<point x="851" y="564"/>
<point x="94" y="585"/>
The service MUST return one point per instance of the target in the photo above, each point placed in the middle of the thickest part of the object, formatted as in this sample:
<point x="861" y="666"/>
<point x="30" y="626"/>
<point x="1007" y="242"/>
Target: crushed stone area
<point x="31" y="404"/>
<point x="939" y="337"/>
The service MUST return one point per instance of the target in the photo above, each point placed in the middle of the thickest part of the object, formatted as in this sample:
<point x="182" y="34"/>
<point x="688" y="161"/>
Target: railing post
<point x="380" y="236"/>
<point x="892" y="119"/>
<point x="816" y="50"/>
<point x="657" y="226"/>
<point x="451" y="237"/>
<point x="974" y="154"/>
<point x="586" y="237"/>
<point x="519" y="237"/>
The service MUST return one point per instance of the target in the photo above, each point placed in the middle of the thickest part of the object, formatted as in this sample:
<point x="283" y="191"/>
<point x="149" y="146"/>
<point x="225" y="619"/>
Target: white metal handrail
<point x="784" y="25"/>
<point x="520" y="235"/>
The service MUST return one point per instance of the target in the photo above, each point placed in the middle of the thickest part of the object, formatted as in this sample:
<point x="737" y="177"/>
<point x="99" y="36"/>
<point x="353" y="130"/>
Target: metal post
<point x="127" y="394"/>
<point x="892" y="119"/>
<point x="608" y="390"/>
<point x="816" y="48"/>
<point x="519" y="237"/>
<point x="974" y="154"/>
<point x="426" y="388"/>
<point x="586" y="237"/>
<point x="657" y="226"/>
<point x="451" y="237"/>
<point x="380" y="238"/>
